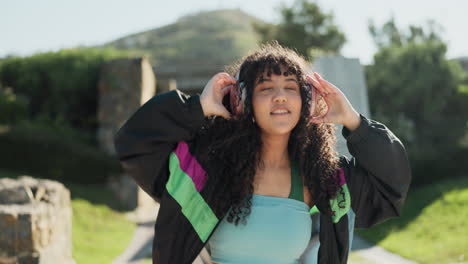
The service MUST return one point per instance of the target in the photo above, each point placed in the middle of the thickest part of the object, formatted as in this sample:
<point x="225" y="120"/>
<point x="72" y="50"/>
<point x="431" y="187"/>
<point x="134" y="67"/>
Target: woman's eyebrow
<point x="261" y="80"/>
<point x="291" y="79"/>
<point x="269" y="80"/>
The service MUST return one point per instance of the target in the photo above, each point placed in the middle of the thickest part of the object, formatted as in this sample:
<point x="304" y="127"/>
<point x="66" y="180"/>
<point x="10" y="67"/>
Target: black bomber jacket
<point x="156" y="146"/>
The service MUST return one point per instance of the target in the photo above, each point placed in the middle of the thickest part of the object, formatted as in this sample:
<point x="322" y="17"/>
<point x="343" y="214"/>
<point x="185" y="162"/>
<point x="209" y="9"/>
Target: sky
<point x="31" y="26"/>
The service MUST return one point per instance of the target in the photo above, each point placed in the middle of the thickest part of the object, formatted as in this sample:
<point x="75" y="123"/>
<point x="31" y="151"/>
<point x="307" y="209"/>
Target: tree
<point x="305" y="28"/>
<point x="415" y="90"/>
<point x="389" y="35"/>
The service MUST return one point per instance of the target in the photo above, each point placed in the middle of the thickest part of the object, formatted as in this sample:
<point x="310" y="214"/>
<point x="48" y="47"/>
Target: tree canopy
<point x="417" y="91"/>
<point x="305" y="27"/>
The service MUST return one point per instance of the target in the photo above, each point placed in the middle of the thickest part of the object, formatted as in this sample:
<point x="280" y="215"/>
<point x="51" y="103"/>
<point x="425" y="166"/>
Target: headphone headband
<point x="238" y="94"/>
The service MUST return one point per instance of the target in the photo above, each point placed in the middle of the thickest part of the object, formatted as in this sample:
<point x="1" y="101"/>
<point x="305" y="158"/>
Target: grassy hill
<point x="210" y="38"/>
<point x="433" y="226"/>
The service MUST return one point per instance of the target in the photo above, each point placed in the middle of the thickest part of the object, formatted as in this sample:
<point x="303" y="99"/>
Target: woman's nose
<point x="279" y="95"/>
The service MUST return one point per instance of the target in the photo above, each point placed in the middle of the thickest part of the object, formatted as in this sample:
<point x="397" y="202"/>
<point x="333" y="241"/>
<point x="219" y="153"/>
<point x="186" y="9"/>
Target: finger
<point x="323" y="83"/>
<point x="223" y="75"/>
<point x="320" y="81"/>
<point x="225" y="79"/>
<point x="317" y="85"/>
<point x="319" y="119"/>
<point x="312" y="80"/>
<point x="316" y="120"/>
<point x="224" y="113"/>
<point x="331" y="86"/>
<point x="225" y="90"/>
<point x="224" y="83"/>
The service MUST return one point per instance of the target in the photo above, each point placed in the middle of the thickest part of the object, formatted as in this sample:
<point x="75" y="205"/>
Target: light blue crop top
<point x="278" y="230"/>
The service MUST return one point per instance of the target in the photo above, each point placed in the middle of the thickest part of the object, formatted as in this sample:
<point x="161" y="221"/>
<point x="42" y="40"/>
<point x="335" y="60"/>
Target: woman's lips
<point x="280" y="114"/>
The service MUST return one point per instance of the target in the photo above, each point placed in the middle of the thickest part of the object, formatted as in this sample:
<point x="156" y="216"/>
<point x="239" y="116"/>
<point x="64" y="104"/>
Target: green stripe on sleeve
<point x="343" y="201"/>
<point x="343" y="198"/>
<point x="181" y="187"/>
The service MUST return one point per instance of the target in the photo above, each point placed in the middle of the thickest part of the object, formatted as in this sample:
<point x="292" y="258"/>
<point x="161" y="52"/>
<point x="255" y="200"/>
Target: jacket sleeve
<point x="378" y="175"/>
<point x="144" y="143"/>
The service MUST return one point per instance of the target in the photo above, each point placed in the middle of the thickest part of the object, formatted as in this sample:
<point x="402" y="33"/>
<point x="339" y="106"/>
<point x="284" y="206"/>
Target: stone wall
<point x="348" y="75"/>
<point x="190" y="77"/>
<point x="35" y="222"/>
<point x="124" y="85"/>
<point x="166" y="85"/>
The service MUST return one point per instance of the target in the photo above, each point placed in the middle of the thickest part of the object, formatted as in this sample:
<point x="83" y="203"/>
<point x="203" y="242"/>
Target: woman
<point x="268" y="161"/>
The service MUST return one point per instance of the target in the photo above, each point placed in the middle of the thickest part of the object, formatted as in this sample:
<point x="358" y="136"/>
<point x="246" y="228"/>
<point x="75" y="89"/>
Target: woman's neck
<point x="274" y="151"/>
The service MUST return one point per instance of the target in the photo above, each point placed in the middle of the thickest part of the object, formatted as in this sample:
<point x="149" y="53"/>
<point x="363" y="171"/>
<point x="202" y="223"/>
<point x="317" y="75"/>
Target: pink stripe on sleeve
<point x="341" y="177"/>
<point x="190" y="165"/>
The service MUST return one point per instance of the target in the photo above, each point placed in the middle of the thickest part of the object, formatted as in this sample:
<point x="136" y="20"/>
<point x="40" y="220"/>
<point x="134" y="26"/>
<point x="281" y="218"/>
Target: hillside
<point x="213" y="38"/>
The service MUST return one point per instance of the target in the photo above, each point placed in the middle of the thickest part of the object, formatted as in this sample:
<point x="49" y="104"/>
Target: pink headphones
<point x="237" y="94"/>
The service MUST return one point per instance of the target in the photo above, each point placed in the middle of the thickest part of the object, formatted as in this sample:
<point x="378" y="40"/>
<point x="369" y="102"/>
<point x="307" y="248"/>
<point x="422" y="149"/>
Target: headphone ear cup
<point x="237" y="99"/>
<point x="313" y="99"/>
<point x="233" y="99"/>
<point x="242" y="95"/>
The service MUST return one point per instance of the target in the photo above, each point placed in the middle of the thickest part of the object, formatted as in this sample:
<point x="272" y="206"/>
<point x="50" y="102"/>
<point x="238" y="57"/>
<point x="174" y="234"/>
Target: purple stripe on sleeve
<point x="341" y="177"/>
<point x="190" y="165"/>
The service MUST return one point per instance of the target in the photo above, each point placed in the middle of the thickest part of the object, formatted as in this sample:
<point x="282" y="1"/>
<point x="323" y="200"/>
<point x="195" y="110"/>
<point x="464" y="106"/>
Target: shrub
<point x="13" y="108"/>
<point x="62" y="83"/>
<point x="56" y="153"/>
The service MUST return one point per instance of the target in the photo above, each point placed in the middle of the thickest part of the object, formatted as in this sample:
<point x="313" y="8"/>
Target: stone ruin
<point x="348" y="75"/>
<point x="124" y="85"/>
<point x="35" y="222"/>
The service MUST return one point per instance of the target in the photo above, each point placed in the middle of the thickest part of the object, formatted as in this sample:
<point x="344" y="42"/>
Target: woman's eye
<point x="266" y="88"/>
<point x="295" y="89"/>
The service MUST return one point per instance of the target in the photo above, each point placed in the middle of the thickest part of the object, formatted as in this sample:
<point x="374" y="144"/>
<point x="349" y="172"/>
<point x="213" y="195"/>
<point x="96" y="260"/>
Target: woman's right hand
<point x="211" y="98"/>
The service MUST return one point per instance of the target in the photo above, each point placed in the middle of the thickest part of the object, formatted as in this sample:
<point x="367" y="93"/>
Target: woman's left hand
<point x="340" y="110"/>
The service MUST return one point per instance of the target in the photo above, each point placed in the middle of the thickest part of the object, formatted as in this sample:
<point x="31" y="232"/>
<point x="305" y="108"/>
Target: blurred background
<point x="71" y="72"/>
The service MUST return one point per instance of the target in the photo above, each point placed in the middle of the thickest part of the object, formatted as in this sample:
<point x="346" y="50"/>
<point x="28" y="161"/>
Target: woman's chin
<point x="278" y="130"/>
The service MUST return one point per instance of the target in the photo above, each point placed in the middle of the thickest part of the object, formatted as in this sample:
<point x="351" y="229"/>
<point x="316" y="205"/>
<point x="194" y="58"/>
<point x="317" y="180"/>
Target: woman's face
<point x="277" y="103"/>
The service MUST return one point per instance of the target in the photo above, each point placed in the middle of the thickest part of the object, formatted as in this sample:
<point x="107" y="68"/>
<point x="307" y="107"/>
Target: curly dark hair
<point x="233" y="152"/>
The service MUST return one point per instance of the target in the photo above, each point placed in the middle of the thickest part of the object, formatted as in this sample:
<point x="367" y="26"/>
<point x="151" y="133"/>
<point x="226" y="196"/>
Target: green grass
<point x="433" y="227"/>
<point x="99" y="233"/>
<point x="100" y="230"/>
<point x="356" y="258"/>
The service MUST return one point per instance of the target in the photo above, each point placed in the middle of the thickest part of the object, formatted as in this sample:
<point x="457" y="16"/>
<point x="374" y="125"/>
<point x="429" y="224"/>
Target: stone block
<point x="35" y="222"/>
<point x="124" y="85"/>
<point x="348" y="75"/>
